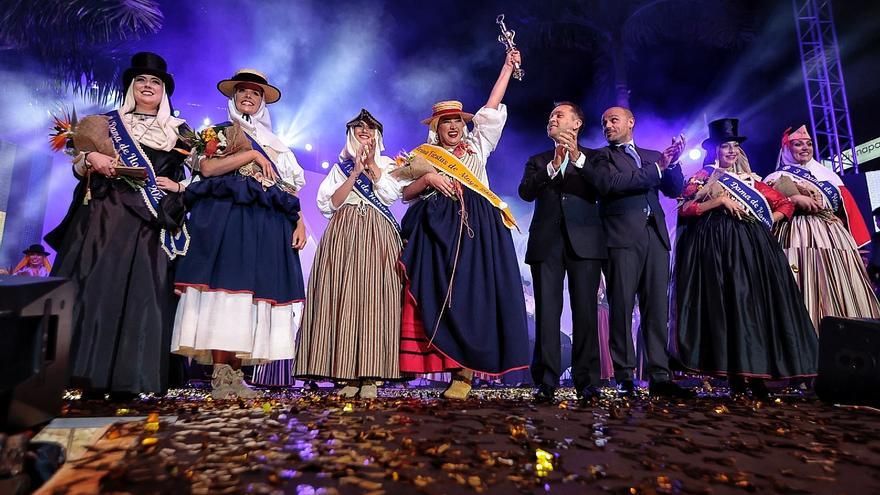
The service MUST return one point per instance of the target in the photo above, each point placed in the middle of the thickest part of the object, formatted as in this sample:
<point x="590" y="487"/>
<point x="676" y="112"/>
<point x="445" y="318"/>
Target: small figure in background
<point x="34" y="264"/>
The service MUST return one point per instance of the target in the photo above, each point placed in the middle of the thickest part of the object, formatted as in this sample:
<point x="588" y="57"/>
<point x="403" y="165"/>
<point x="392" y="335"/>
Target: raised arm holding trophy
<point x="506" y="39"/>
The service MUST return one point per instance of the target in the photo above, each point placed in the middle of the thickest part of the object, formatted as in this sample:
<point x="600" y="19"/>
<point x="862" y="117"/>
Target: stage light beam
<point x="695" y="154"/>
<point x="325" y="164"/>
<point x="308" y="147"/>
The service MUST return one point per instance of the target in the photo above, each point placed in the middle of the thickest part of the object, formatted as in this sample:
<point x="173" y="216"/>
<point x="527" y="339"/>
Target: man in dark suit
<point x="565" y="237"/>
<point x="628" y="178"/>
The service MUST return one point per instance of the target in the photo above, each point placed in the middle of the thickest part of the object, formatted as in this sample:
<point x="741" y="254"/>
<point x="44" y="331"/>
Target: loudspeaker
<point x="849" y="361"/>
<point x="35" y="321"/>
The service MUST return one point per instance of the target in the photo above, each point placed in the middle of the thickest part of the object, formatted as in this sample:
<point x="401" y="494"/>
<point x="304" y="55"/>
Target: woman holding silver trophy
<point x="464" y="309"/>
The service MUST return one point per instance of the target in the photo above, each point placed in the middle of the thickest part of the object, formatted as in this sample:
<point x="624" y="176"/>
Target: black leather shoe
<point x="545" y="394"/>
<point x="670" y="390"/>
<point x="759" y="389"/>
<point x="627" y="388"/>
<point x="588" y="396"/>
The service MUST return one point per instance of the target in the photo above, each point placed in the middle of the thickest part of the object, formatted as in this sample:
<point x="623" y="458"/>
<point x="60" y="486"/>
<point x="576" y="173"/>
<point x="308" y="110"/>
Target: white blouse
<point x="289" y="169"/>
<point x="387" y="188"/>
<point x="482" y="140"/>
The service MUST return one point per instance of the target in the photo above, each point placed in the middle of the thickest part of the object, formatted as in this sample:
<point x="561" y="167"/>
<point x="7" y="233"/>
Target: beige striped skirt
<point x="351" y="323"/>
<point x="828" y="268"/>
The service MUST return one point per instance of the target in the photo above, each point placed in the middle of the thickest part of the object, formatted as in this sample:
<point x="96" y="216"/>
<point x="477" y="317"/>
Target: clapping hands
<point x="673" y="152"/>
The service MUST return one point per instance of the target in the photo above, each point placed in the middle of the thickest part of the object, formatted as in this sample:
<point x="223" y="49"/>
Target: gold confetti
<point x="543" y="462"/>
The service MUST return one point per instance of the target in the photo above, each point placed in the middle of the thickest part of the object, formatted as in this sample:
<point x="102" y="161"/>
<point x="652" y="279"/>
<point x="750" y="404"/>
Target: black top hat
<point x="367" y="117"/>
<point x="722" y="131"/>
<point x="148" y="63"/>
<point x="36" y="249"/>
<point x="271" y="94"/>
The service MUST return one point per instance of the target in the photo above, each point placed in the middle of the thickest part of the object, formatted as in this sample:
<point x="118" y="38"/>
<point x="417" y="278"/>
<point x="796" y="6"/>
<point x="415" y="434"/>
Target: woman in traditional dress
<point x="120" y="235"/>
<point x="739" y="310"/>
<point x="351" y="326"/>
<point x="464" y="309"/>
<point x="241" y="286"/>
<point x="822" y="239"/>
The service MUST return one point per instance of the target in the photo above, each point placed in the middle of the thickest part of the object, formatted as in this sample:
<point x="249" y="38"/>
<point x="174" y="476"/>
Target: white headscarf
<point x="352" y="145"/>
<point x="160" y="135"/>
<point x="818" y="170"/>
<point x="258" y="125"/>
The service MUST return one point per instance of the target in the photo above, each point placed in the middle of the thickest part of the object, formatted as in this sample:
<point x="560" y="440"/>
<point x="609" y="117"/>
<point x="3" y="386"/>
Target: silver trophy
<point x="506" y="39"/>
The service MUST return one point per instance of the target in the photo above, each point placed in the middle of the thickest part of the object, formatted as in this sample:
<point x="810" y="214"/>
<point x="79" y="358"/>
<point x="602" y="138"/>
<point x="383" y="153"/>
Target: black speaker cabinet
<point x="35" y="320"/>
<point x="849" y="361"/>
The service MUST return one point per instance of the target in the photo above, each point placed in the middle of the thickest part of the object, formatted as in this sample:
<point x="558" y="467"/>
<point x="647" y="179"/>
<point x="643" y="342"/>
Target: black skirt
<point x="739" y="309"/>
<point x="483" y="325"/>
<point x="124" y="307"/>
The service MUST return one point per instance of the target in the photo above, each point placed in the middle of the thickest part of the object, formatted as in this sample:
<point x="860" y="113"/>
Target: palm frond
<point x="82" y="44"/>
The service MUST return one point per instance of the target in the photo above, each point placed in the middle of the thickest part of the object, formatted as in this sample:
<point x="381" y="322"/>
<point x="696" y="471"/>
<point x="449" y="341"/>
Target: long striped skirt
<point x="351" y="324"/>
<point x="828" y="268"/>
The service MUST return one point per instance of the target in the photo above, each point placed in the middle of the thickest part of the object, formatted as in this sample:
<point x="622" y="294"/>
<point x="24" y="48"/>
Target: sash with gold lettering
<point x="364" y="188"/>
<point x="828" y="189"/>
<point x="448" y="163"/>
<point x="748" y="196"/>
<point x="131" y="155"/>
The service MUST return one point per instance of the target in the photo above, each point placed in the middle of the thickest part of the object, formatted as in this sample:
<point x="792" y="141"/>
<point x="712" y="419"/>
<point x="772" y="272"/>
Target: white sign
<point x="864" y="152"/>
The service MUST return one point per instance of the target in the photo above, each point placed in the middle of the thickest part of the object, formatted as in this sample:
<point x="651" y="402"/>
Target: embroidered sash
<point x="364" y="188"/>
<point x="448" y="163"/>
<point x="754" y="201"/>
<point x="131" y="155"/>
<point x="828" y="189"/>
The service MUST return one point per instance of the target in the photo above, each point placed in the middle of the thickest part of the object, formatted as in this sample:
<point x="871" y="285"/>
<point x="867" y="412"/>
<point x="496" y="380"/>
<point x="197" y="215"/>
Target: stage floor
<point x="410" y="441"/>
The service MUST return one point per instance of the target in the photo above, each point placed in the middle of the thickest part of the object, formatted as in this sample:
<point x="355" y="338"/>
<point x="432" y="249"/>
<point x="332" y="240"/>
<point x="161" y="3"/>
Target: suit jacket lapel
<point x="623" y="158"/>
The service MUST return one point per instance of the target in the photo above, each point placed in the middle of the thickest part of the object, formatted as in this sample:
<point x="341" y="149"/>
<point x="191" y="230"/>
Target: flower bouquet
<point x="410" y="166"/>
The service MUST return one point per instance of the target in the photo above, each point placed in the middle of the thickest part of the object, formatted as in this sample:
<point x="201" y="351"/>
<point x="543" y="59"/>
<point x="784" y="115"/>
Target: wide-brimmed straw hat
<point x="246" y="77"/>
<point x="447" y="108"/>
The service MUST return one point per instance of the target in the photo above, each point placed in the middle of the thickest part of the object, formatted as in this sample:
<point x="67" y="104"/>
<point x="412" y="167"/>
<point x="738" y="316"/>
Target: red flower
<point x="211" y="147"/>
